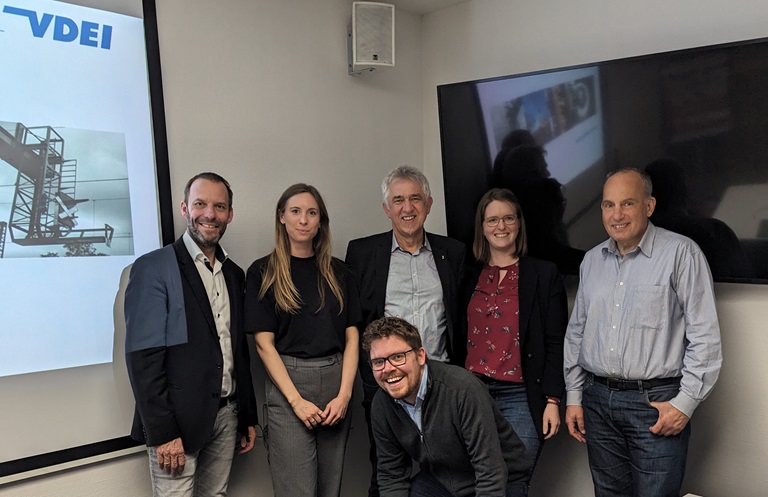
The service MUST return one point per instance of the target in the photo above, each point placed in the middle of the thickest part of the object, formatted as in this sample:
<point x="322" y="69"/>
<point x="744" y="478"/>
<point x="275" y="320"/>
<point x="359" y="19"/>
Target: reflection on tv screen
<point x="695" y="120"/>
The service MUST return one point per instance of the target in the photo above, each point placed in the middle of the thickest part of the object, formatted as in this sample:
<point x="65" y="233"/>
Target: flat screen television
<point x="696" y="120"/>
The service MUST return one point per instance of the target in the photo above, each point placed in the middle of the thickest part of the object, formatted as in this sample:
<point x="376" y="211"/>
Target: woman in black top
<point x="302" y="306"/>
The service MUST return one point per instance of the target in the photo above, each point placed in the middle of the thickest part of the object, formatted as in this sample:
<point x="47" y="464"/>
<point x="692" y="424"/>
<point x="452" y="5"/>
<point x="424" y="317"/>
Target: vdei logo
<point x="65" y="29"/>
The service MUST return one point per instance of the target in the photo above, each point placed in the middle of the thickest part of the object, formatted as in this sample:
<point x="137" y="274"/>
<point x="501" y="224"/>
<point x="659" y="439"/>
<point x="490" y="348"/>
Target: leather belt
<point x="620" y="384"/>
<point x="225" y="401"/>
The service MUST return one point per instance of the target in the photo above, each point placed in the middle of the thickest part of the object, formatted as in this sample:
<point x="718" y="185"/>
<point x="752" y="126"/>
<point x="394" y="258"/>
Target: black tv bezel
<point x="455" y="232"/>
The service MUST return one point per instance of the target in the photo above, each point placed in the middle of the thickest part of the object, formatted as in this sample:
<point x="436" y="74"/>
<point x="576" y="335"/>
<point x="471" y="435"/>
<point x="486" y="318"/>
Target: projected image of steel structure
<point x="44" y="202"/>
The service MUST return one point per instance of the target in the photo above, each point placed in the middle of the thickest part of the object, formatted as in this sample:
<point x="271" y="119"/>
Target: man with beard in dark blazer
<point x="186" y="352"/>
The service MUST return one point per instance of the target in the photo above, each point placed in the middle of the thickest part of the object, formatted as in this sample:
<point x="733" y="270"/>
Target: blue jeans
<point x="512" y="401"/>
<point x="625" y="458"/>
<point x="424" y="485"/>
<point x="206" y="472"/>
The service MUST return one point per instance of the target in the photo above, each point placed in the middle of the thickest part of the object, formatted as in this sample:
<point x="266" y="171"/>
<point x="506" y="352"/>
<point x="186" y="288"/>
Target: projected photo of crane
<point x="63" y="192"/>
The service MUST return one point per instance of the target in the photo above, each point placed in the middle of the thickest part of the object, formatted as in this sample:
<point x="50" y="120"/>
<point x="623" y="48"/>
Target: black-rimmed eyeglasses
<point x="395" y="360"/>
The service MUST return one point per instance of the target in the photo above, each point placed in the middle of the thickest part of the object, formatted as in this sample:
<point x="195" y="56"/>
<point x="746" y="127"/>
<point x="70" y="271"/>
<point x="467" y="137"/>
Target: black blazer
<point x="369" y="259"/>
<point x="543" y="319"/>
<point x="177" y="388"/>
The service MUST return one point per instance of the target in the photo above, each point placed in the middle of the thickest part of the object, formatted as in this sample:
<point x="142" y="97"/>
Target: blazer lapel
<point x="443" y="270"/>
<point x="383" y="256"/>
<point x="526" y="293"/>
<point x="235" y="300"/>
<point x="191" y="277"/>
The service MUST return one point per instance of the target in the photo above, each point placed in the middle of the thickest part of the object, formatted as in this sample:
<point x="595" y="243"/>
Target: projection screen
<point x="83" y="192"/>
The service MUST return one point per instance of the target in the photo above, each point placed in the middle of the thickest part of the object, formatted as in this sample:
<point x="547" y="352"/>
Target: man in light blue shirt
<point x="412" y="274"/>
<point x="642" y="349"/>
<point x="440" y="416"/>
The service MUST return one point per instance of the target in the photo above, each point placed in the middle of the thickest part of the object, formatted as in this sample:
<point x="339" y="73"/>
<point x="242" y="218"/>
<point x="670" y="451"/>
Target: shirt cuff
<point x="684" y="404"/>
<point x="573" y="398"/>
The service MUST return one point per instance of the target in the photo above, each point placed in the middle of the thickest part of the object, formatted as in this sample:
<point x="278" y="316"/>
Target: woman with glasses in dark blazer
<point x="517" y="315"/>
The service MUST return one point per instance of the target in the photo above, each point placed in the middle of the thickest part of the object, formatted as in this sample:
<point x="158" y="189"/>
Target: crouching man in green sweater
<point x="440" y="416"/>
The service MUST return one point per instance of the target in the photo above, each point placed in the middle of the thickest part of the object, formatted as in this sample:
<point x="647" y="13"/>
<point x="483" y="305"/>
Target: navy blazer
<point x="176" y="373"/>
<point x="369" y="259"/>
<point x="543" y="318"/>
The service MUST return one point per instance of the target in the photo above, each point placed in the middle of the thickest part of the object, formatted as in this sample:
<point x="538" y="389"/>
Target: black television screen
<point x="695" y="120"/>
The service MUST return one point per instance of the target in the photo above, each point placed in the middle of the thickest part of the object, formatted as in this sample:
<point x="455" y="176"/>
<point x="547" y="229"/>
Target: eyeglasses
<point x="510" y="220"/>
<point x="395" y="360"/>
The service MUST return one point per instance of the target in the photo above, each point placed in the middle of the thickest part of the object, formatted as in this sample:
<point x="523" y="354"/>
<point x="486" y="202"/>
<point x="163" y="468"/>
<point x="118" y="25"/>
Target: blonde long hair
<point x="277" y="273"/>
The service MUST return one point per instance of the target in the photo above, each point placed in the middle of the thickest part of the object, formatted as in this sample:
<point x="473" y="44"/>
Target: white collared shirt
<point x="218" y="296"/>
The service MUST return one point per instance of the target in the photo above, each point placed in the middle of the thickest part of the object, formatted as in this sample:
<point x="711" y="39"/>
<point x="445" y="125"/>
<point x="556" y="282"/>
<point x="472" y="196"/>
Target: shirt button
<point x="621" y="283"/>
<point x="614" y="326"/>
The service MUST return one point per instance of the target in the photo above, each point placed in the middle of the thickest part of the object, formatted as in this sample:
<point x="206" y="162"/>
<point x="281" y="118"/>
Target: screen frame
<point x="62" y="459"/>
<point x="469" y="185"/>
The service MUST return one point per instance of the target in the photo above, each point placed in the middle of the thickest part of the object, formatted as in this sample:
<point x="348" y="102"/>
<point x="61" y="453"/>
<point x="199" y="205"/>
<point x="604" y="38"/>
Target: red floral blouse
<point x="493" y="340"/>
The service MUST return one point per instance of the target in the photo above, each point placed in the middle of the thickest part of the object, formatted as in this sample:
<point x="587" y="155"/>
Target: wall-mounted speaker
<point x="371" y="37"/>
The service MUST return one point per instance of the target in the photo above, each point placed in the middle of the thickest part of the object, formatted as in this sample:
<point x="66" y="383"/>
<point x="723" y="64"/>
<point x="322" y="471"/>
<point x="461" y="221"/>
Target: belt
<point x="619" y="384"/>
<point x="225" y="401"/>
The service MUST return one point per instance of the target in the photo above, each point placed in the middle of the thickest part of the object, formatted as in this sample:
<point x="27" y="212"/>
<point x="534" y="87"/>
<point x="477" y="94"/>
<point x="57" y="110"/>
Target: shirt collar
<point x="425" y="244"/>
<point x="197" y="254"/>
<point x="645" y="246"/>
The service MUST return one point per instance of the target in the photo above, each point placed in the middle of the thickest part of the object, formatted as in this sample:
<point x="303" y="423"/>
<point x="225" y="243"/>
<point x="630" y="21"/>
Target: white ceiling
<point x="422" y="6"/>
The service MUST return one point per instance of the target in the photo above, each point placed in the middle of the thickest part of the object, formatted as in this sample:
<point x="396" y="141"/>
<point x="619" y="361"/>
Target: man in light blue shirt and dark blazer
<point x="411" y="274"/>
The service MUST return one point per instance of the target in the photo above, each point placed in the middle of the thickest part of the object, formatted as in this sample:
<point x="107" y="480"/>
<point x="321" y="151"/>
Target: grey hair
<point x="647" y="183"/>
<point x="404" y="173"/>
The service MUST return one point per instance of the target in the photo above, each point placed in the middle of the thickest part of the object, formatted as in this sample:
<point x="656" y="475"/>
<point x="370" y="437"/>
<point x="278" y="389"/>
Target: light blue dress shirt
<point x="414" y="293"/>
<point x="649" y="314"/>
<point x="414" y="411"/>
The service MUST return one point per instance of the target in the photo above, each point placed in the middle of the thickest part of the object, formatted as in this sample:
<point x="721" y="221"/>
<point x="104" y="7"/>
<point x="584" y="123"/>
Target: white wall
<point x="258" y="91"/>
<point x="486" y="38"/>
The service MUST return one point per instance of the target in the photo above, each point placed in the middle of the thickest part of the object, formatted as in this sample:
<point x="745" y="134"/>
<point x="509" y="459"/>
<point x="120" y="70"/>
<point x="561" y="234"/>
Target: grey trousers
<point x="206" y="472"/>
<point x="303" y="462"/>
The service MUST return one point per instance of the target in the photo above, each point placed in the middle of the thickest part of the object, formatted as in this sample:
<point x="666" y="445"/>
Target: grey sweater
<point x="466" y="444"/>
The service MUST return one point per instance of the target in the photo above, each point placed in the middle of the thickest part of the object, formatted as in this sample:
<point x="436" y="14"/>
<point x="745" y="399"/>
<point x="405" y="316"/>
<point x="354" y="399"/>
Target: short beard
<point x="200" y="239"/>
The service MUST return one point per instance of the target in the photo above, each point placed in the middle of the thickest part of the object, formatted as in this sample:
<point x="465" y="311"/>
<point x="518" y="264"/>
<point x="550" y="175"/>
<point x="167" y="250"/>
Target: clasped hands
<point x="312" y="416"/>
